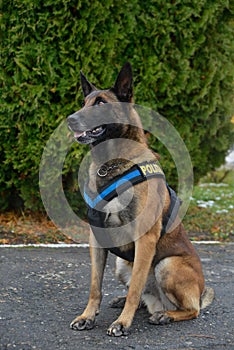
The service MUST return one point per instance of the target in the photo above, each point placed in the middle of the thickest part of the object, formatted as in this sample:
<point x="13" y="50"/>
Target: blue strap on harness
<point x="136" y="174"/>
<point x="110" y="191"/>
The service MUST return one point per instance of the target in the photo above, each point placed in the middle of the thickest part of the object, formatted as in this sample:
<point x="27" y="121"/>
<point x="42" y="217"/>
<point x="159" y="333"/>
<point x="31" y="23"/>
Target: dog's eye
<point x="82" y="103"/>
<point x="100" y="101"/>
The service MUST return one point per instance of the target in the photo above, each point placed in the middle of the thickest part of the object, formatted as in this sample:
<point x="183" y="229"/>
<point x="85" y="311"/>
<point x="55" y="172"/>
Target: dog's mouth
<point x="89" y="136"/>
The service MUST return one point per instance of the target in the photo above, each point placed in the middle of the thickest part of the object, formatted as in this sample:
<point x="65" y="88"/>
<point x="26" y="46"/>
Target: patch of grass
<point x="211" y="211"/>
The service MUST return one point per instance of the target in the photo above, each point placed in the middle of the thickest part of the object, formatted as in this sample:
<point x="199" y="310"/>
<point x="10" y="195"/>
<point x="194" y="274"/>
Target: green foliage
<point x="182" y="54"/>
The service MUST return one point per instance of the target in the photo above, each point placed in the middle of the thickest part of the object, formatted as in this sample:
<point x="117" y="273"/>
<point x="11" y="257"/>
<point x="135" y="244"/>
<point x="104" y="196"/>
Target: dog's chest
<point x="118" y="209"/>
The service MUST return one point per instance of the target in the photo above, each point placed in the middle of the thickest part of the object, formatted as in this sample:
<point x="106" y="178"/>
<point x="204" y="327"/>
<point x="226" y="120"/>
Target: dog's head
<point x="98" y="120"/>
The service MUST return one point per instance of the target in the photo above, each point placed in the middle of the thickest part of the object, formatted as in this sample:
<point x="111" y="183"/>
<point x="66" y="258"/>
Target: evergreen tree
<point x="182" y="54"/>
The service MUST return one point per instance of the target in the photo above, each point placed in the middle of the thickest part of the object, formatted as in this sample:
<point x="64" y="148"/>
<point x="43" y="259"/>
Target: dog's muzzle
<point x="82" y="133"/>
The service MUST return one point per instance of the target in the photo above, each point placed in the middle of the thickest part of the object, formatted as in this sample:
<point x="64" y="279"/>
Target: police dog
<point x="160" y="269"/>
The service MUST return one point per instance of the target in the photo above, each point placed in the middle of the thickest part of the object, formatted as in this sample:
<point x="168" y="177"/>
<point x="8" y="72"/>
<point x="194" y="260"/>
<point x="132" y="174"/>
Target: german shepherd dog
<point x="162" y="271"/>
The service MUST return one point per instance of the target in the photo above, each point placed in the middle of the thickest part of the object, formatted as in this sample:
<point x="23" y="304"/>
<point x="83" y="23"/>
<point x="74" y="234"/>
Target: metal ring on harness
<point x="102" y="172"/>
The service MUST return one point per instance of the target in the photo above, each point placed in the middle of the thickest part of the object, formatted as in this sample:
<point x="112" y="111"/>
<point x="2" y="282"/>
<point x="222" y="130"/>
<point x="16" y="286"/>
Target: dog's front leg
<point x="98" y="262"/>
<point x="144" y="253"/>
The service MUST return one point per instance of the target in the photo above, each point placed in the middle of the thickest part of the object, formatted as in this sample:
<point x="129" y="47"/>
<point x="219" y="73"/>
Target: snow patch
<point x="203" y="204"/>
<point x="212" y="184"/>
<point x="221" y="211"/>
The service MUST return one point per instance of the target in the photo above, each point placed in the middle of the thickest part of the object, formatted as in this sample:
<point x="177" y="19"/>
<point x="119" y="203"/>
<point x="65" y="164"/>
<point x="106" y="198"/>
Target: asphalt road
<point x="43" y="289"/>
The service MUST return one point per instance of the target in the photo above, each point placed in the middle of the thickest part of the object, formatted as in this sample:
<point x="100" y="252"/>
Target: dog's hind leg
<point x="181" y="287"/>
<point x="151" y="294"/>
<point x="123" y="272"/>
<point x="118" y="302"/>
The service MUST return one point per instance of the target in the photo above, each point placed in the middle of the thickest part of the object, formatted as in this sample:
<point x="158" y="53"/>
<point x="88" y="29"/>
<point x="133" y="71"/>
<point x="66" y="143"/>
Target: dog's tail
<point x="207" y="297"/>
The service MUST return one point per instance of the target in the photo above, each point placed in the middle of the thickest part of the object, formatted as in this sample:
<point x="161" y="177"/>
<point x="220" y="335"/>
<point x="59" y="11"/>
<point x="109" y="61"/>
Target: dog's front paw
<point x="117" y="330"/>
<point x="81" y="323"/>
<point x="160" y="318"/>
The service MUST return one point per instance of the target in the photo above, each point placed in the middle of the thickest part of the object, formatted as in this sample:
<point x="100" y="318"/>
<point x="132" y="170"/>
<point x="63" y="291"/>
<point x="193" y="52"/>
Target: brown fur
<point x="166" y="273"/>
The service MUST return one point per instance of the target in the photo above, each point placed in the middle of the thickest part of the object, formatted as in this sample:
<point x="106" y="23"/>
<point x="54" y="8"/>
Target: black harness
<point x="96" y="202"/>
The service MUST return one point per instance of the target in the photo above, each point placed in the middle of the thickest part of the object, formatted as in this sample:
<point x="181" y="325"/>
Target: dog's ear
<point x="124" y="84"/>
<point x="87" y="87"/>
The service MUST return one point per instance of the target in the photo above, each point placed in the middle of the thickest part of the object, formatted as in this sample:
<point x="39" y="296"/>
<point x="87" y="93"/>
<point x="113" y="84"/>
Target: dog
<point x="156" y="261"/>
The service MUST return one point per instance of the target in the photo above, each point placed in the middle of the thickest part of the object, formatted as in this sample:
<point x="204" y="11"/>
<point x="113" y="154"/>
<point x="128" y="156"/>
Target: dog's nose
<point x="75" y="122"/>
<point x="72" y="119"/>
<point x="72" y="122"/>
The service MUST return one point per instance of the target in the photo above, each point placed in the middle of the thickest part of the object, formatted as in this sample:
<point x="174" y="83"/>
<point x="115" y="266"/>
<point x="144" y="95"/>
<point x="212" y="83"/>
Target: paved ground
<point x="43" y="289"/>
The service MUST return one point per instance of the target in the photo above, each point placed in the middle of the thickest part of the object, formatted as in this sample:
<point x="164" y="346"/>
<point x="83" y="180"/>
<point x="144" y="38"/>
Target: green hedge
<point x="182" y="54"/>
